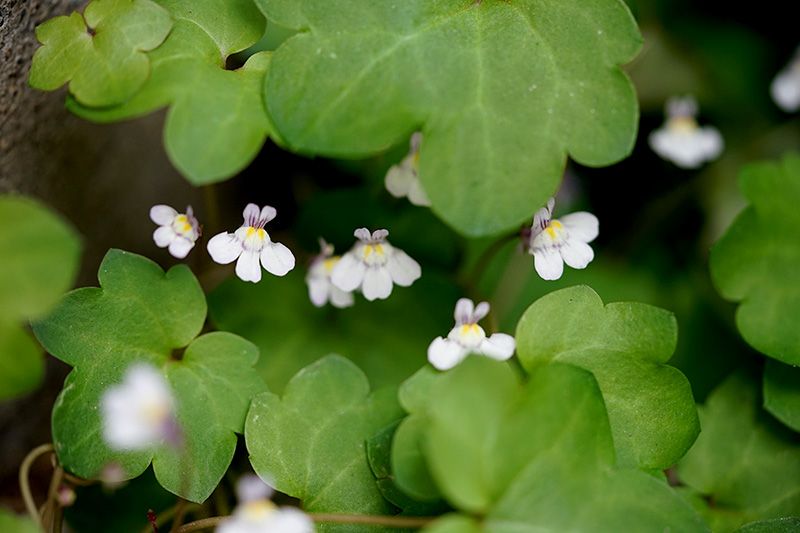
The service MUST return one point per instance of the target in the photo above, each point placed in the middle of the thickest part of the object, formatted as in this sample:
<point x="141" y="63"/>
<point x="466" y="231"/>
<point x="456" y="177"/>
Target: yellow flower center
<point x="682" y="124"/>
<point x="554" y="229"/>
<point x="258" y="510"/>
<point x="182" y="225"/>
<point x="370" y="249"/>
<point x="329" y="263"/>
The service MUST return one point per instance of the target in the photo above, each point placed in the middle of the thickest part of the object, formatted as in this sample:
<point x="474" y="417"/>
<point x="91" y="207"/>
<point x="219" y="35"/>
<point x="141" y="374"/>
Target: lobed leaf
<point x="782" y="393"/>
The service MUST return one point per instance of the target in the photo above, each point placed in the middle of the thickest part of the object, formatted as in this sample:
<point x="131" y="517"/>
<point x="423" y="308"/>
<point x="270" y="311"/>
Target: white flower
<point x="681" y="140"/>
<point x="139" y="412"/>
<point x="256" y="514"/>
<point x="318" y="279"/>
<point x="178" y="231"/>
<point x="374" y="265"/>
<point x="251" y="243"/>
<point x="468" y="337"/>
<point x="403" y="179"/>
<point x="553" y="242"/>
<point x="785" y="87"/>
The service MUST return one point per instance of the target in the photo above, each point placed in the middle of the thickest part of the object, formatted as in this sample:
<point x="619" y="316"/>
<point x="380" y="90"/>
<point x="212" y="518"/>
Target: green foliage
<point x="756" y="261"/>
<point x="101" y="53"/>
<point x="743" y="462"/>
<point x="625" y="346"/>
<point x="362" y="75"/>
<point x="40" y="256"/>
<point x="311" y="443"/>
<point x="776" y="525"/>
<point x="16" y="524"/>
<point x="217" y="122"/>
<point x="537" y="456"/>
<point x="782" y="393"/>
<point x="141" y="314"/>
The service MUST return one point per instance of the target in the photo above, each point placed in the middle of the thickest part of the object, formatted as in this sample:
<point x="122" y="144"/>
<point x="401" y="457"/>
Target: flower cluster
<point x="681" y="140"/>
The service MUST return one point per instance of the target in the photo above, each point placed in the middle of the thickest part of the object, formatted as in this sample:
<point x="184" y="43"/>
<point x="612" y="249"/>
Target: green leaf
<point x="387" y="339"/>
<point x="141" y="314"/>
<point x="102" y="53"/>
<point x="362" y="75"/>
<point x="453" y="523"/>
<point x="782" y="393"/>
<point x="539" y="456"/>
<point x="311" y="443"/>
<point x="217" y="121"/>
<point x="625" y="345"/>
<point x="40" y="260"/>
<point x="16" y="524"/>
<point x="743" y="461"/>
<point x="756" y="261"/>
<point x="776" y="525"/>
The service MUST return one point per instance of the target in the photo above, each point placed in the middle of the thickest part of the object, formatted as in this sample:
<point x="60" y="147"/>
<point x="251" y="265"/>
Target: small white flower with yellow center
<point x="139" y="412"/>
<point x="177" y="231"/>
<point x="403" y="180"/>
<point x="553" y="242"/>
<point x="785" y="87"/>
<point x="256" y="514"/>
<point x="320" y="288"/>
<point x="251" y="244"/>
<point x="681" y="140"/>
<point x="468" y="337"/>
<point x="374" y="265"/>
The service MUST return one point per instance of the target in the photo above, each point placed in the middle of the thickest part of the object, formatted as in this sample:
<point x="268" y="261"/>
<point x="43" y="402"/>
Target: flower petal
<point x="499" y="346"/>
<point x="224" y="248"/>
<point x="417" y="194"/>
<point x="289" y="520"/>
<point x="247" y="267"/>
<point x="277" y="258"/>
<point x="319" y="289"/>
<point x="380" y="234"/>
<point x="267" y="213"/>
<point x="711" y="142"/>
<point x="444" y="354"/>
<point x="251" y="214"/>
<point x="481" y="310"/>
<point x="463" y="312"/>
<point x="162" y="214"/>
<point x="398" y="181"/>
<point x="377" y="283"/>
<point x="163" y="236"/>
<point x="548" y="263"/>
<point x="785" y="90"/>
<point x="576" y="254"/>
<point x="340" y="298"/>
<point x="403" y="269"/>
<point x="362" y="234"/>
<point x="348" y="272"/>
<point x="581" y="225"/>
<point x="180" y="247"/>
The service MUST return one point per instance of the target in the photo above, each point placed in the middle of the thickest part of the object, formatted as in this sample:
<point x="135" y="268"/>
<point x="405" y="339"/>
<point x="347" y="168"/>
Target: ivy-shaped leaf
<point x="782" y="393"/>
<point x="39" y="263"/>
<point x="101" y="54"/>
<point x="756" y="261"/>
<point x="776" y="525"/>
<point x="538" y="456"/>
<point x="311" y="443"/>
<point x="217" y="122"/>
<point x="626" y="346"/>
<point x="363" y="74"/>
<point x="141" y="314"/>
<point x="743" y="462"/>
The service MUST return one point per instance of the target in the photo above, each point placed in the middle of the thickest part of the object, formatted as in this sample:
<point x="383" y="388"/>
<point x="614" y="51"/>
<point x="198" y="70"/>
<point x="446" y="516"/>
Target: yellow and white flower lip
<point x="553" y="242"/>
<point x="468" y="337"/>
<point x="681" y="141"/>
<point x="177" y="231"/>
<point x="375" y="266"/>
<point x="139" y="412"/>
<point x="256" y="514"/>
<point x="785" y="88"/>
<point x="320" y="289"/>
<point x="402" y="180"/>
<point x="251" y="244"/>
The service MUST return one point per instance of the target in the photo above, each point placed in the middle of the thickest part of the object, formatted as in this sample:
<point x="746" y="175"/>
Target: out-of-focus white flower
<point x="785" y="87"/>
<point x="468" y="337"/>
<point x="140" y="411"/>
<point x="318" y="279"/>
<point x="177" y="231"/>
<point x="681" y="140"/>
<point x="553" y="242"/>
<point x="256" y="514"/>
<point x="402" y="180"/>
<point x="251" y="243"/>
<point x="374" y="265"/>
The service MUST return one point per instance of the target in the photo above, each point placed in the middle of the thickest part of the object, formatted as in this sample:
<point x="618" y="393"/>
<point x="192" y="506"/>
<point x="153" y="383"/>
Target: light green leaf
<point x="782" y="393"/>
<point x="539" y="456"/>
<point x="16" y="524"/>
<point x="454" y="523"/>
<point x="21" y="363"/>
<point x="743" y="461"/>
<point x="776" y="525"/>
<point x="141" y="314"/>
<point x="217" y="122"/>
<point x="362" y="75"/>
<point x="756" y="261"/>
<point x="311" y="443"/>
<point x="387" y="339"/>
<point x="101" y="53"/>
<point x="625" y="345"/>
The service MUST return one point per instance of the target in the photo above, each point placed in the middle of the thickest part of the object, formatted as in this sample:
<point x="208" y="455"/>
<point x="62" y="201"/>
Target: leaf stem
<point x="24" y="481"/>
<point x="399" y="522"/>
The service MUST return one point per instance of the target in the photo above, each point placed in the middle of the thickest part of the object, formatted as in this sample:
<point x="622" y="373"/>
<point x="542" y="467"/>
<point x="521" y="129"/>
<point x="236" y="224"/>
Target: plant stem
<point x="486" y="257"/>
<point x="375" y="520"/>
<point x="24" y="482"/>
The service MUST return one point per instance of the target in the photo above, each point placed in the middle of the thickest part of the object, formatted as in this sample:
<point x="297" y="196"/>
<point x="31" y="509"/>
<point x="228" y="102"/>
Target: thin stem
<point x="386" y="521"/>
<point x="50" y="515"/>
<point x="24" y="482"/>
<point x="180" y="512"/>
